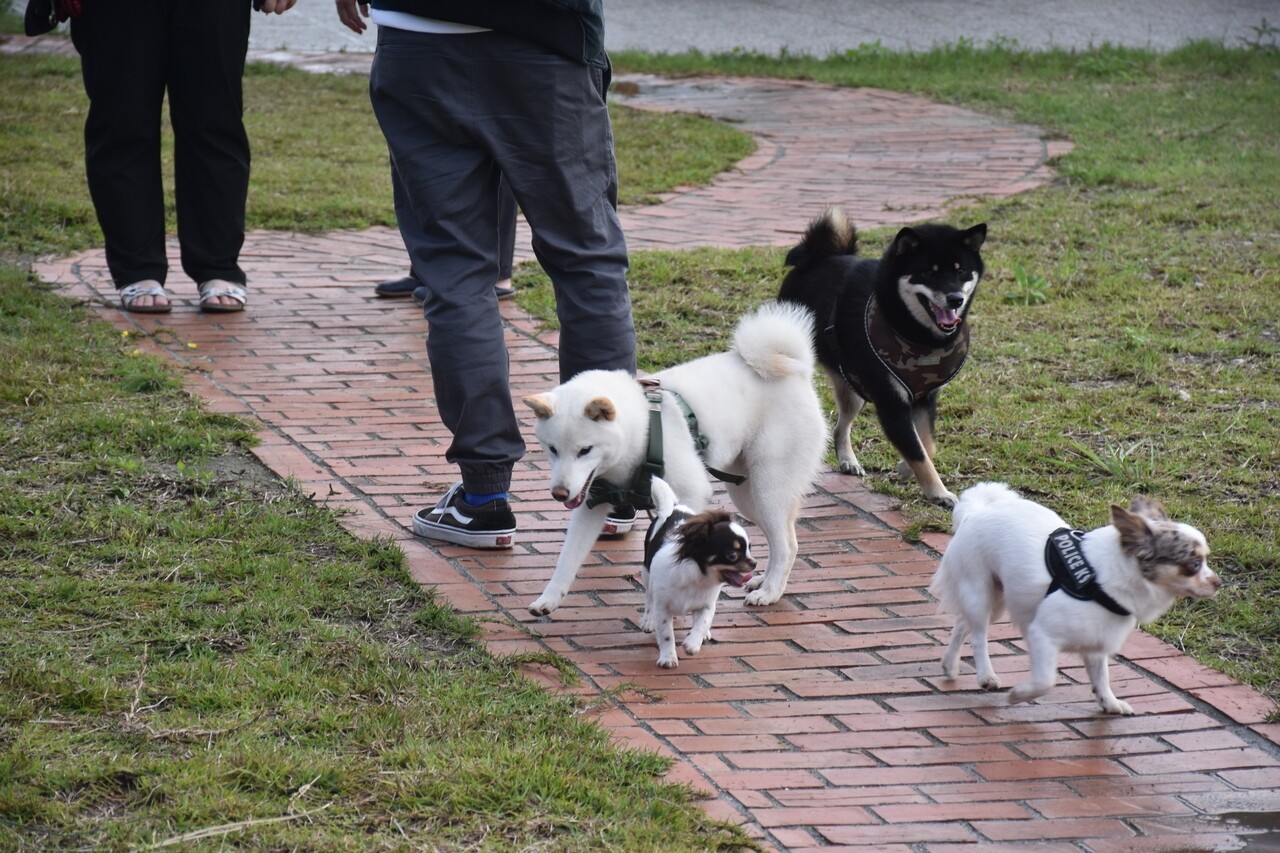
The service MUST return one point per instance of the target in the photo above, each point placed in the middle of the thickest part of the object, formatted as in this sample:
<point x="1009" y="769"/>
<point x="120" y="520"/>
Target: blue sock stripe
<point x="481" y="500"/>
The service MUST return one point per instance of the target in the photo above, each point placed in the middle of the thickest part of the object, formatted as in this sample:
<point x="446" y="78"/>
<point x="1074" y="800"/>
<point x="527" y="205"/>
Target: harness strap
<point x="1071" y="572"/>
<point x="701" y="442"/>
<point x="637" y="492"/>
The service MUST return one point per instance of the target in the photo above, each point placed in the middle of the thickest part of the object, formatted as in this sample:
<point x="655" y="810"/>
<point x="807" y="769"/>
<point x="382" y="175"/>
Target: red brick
<point x="1221" y="759"/>
<point x="1004" y="771"/>
<point x="1073" y="807"/>
<point x="969" y="811"/>
<point x="1082" y="829"/>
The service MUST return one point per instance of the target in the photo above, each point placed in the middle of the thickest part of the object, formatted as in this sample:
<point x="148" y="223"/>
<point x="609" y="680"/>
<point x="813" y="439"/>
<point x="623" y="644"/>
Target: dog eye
<point x="584" y="451"/>
<point x="733" y="556"/>
<point x="551" y="450"/>
<point x="1190" y="569"/>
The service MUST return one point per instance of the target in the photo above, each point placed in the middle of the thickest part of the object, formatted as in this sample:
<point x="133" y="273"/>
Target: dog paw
<point x="762" y="597"/>
<point x="647" y="625"/>
<point x="1024" y="693"/>
<point x="544" y="605"/>
<point x="946" y="500"/>
<point x="990" y="683"/>
<point x="690" y="649"/>
<point x="1117" y="706"/>
<point x="668" y="662"/>
<point x="852" y="467"/>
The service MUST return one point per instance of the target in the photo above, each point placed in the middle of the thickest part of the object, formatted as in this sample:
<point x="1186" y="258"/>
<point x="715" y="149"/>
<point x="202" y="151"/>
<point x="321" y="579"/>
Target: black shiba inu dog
<point x="891" y="331"/>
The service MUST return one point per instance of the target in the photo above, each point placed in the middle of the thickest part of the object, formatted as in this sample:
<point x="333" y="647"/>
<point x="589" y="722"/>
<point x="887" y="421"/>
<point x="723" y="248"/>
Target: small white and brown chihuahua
<point x="1066" y="590"/>
<point x="688" y="557"/>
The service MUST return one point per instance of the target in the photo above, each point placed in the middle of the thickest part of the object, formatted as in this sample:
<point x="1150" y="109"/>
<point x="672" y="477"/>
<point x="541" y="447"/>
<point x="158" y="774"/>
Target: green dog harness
<point x="637" y="493"/>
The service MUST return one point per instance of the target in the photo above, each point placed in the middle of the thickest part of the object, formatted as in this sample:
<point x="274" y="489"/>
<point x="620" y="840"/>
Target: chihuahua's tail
<point x="976" y="497"/>
<point x="829" y="235"/>
<point x="664" y="500"/>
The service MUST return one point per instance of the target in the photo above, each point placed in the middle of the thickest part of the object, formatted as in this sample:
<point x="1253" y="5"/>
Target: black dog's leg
<point x="903" y="427"/>
<point x="848" y="404"/>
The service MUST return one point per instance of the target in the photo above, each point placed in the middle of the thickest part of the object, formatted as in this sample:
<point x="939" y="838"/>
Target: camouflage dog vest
<point x="918" y="369"/>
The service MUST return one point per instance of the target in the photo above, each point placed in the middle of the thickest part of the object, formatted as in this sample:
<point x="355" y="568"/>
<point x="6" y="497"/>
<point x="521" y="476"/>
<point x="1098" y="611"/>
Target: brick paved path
<point x="822" y="721"/>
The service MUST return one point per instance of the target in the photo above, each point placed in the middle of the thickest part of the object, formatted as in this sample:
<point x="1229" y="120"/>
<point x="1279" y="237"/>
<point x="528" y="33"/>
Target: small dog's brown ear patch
<point x="1135" y="533"/>
<point x="601" y="409"/>
<point x="1148" y="508"/>
<point x="542" y="404"/>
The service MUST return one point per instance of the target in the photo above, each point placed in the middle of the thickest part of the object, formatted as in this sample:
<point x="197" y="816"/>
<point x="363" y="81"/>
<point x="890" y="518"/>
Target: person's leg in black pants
<point x="211" y="149"/>
<point x="123" y="56"/>
<point x="130" y="54"/>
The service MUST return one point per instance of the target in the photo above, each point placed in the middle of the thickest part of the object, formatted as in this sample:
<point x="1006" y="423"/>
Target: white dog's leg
<point x="646" y="621"/>
<point x="584" y="528"/>
<point x="780" y="532"/>
<point x="700" y="631"/>
<point x="848" y="404"/>
<point x="987" y="678"/>
<point x="666" y="637"/>
<point x="1044" y="666"/>
<point x="1096" y="666"/>
<point x="951" y="657"/>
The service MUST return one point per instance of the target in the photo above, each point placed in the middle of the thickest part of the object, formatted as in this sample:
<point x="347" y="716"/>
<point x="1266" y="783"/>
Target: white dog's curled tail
<point x="776" y="341"/>
<point x="978" y="496"/>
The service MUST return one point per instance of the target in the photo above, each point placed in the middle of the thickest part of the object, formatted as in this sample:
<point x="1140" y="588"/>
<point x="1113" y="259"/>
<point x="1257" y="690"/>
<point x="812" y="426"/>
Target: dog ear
<point x="976" y="236"/>
<point x="1148" y="508"/>
<point x="601" y="409"/>
<point x="906" y="240"/>
<point x="1135" y="533"/>
<point x="543" y="405"/>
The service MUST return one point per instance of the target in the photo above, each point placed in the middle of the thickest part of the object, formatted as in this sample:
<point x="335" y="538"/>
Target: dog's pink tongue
<point x="947" y="317"/>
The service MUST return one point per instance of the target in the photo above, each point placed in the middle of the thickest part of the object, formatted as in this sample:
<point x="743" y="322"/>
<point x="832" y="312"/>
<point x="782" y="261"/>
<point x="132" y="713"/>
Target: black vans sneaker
<point x="620" y="520"/>
<point x="452" y="519"/>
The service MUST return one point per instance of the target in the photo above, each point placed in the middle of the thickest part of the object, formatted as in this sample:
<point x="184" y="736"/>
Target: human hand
<point x="278" y="7"/>
<point x="350" y="18"/>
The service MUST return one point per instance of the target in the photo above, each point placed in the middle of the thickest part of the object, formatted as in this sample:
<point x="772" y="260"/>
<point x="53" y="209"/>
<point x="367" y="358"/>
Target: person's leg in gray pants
<point x="457" y="111"/>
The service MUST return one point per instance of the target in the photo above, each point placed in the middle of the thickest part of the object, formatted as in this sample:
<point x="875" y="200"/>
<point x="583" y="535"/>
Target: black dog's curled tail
<point x="829" y="235"/>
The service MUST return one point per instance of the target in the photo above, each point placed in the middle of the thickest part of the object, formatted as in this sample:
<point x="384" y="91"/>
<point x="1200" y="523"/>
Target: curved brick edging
<point x="821" y="721"/>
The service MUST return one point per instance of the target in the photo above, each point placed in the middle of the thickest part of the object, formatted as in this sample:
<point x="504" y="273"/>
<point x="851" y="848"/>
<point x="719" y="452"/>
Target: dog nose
<point x="560" y="493"/>
<point x="955" y="300"/>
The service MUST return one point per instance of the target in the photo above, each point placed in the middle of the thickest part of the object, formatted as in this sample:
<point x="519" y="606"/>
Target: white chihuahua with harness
<point x="1067" y="590"/>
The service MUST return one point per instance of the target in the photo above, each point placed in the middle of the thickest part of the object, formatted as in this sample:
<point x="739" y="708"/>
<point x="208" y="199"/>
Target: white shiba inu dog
<point x="756" y="413"/>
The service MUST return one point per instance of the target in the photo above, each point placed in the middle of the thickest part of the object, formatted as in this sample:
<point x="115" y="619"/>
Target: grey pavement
<point x="822" y="27"/>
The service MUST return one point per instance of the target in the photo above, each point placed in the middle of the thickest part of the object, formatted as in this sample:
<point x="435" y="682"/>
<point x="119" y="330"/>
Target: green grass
<point x="191" y="645"/>
<point x="194" y="650"/>
<point x="1127" y="336"/>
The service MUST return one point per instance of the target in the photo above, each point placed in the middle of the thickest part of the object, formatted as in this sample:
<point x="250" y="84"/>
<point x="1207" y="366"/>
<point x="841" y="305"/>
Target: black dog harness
<point x="637" y="492"/>
<point x="1072" y="573"/>
<point x="918" y="369"/>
